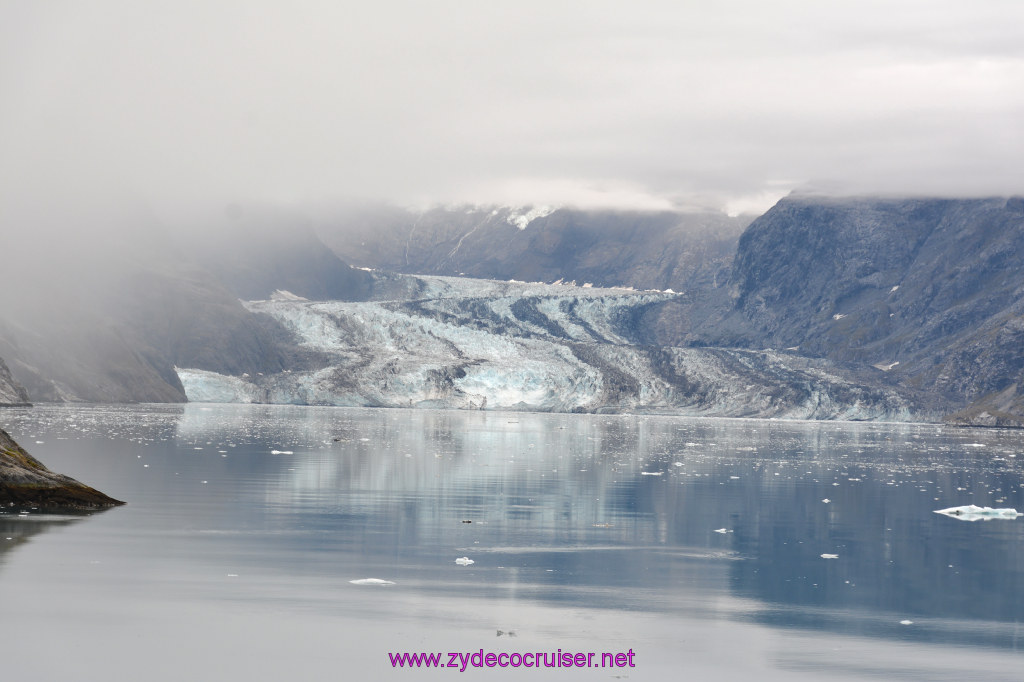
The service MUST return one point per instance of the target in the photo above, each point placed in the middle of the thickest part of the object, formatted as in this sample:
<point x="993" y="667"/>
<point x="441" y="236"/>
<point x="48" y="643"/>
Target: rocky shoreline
<point x="26" y="482"/>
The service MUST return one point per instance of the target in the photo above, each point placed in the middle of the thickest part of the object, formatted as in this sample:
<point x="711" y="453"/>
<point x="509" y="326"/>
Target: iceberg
<point x="972" y="512"/>
<point x="372" y="581"/>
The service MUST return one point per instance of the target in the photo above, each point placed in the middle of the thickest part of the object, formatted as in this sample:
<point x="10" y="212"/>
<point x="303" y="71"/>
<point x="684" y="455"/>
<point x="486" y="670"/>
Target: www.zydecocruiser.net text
<point x="462" y="660"/>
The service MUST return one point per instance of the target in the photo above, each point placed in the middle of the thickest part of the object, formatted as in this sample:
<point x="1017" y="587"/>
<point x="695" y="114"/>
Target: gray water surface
<point x="694" y="543"/>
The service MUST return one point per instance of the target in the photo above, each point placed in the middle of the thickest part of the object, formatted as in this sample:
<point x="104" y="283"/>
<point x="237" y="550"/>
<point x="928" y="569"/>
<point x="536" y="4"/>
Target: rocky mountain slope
<point x="930" y="290"/>
<point x="645" y="250"/>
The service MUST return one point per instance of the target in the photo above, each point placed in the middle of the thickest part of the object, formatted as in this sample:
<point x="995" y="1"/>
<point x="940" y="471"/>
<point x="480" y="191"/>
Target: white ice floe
<point x="464" y="561"/>
<point x="972" y="512"/>
<point x="723" y="531"/>
<point x="829" y="556"/>
<point x="372" y="581"/>
<point x="906" y="622"/>
<point x="651" y="473"/>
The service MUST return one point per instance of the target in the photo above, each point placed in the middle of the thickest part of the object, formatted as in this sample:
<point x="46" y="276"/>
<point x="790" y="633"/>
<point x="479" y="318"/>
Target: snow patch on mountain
<point x="522" y="217"/>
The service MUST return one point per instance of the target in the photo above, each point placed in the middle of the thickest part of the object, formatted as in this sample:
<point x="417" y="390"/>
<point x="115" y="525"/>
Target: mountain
<point x="645" y="250"/>
<point x="929" y="290"/>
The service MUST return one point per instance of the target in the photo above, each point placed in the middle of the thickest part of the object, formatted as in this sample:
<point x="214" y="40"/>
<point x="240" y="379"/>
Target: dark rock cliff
<point x="929" y="290"/>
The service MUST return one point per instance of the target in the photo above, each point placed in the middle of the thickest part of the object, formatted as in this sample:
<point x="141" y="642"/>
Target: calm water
<point x="695" y="543"/>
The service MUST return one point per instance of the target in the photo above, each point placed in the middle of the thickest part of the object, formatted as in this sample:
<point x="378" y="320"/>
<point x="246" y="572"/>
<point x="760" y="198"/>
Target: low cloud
<point x="657" y="104"/>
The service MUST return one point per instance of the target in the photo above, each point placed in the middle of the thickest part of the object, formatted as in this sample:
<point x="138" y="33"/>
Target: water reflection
<point x="695" y="521"/>
<point x="17" y="529"/>
<point x="598" y="504"/>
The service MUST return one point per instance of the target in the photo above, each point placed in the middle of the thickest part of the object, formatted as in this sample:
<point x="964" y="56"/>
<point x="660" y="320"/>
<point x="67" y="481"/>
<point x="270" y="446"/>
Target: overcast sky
<point x="641" y="104"/>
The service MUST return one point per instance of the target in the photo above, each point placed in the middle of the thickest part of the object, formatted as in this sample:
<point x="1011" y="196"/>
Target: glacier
<point x="451" y="342"/>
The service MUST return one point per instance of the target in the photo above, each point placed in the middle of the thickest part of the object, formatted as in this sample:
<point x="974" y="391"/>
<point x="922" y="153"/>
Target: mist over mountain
<point x="253" y="252"/>
<point x="106" y="313"/>
<point x="11" y="392"/>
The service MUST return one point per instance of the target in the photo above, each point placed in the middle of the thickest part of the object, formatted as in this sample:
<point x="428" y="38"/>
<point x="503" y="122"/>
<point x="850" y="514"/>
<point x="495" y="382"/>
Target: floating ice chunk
<point x="972" y="512"/>
<point x="651" y="473"/>
<point x="826" y="500"/>
<point x="906" y="622"/>
<point x="281" y="452"/>
<point x="829" y="556"/>
<point x="723" y="531"/>
<point x="464" y="561"/>
<point x="372" y="581"/>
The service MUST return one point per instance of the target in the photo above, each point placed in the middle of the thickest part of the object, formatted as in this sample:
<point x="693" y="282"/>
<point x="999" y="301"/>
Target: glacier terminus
<point x="450" y="342"/>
